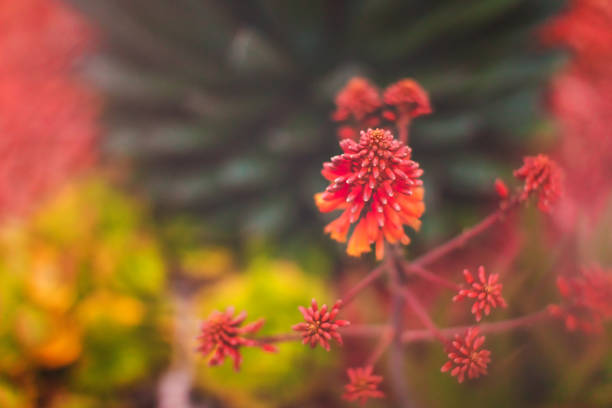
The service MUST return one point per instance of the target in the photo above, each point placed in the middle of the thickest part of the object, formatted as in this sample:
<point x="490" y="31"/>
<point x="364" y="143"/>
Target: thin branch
<point x="362" y="284"/>
<point x="403" y="128"/>
<point x="397" y="369"/>
<point x="461" y="239"/>
<point x="422" y="314"/>
<point x="414" y="335"/>
<point x="385" y="340"/>
<point x="410" y="336"/>
<point x="279" y="338"/>
<point x="430" y="276"/>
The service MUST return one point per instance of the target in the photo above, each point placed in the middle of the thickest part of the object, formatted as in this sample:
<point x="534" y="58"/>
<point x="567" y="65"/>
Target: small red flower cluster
<point x="486" y="292"/>
<point x="406" y="98"/>
<point x="466" y="356"/>
<point x="320" y="325"/>
<point x="375" y="177"/>
<point x="359" y="105"/>
<point x="588" y="297"/>
<point x="542" y="177"/>
<point x="363" y="385"/>
<point x="222" y="335"/>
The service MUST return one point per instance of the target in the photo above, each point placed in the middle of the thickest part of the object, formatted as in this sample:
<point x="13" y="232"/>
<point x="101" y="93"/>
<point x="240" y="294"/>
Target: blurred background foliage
<point x="82" y="287"/>
<point x="222" y="108"/>
<point x="215" y="126"/>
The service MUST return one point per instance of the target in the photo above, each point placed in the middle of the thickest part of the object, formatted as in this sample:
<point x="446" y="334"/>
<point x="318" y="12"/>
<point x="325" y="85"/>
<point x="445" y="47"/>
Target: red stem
<point x="461" y="239"/>
<point x="403" y="125"/>
<point x="409" y="336"/>
<point x="385" y="340"/>
<point x="422" y="314"/>
<point x="430" y="276"/>
<point x="362" y="284"/>
<point x="413" y="335"/>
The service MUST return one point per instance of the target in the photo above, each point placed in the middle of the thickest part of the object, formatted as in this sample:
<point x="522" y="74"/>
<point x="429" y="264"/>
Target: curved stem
<point x="461" y="239"/>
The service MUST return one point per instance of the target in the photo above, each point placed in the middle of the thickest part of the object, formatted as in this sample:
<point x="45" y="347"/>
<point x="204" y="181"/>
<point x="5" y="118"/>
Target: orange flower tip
<point x="378" y="187"/>
<point x="223" y="335"/>
<point x="408" y="97"/>
<point x="486" y="292"/>
<point x="501" y="189"/>
<point x="357" y="100"/>
<point x="542" y="178"/>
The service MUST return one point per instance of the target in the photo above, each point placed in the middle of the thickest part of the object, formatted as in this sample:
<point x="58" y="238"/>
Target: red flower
<point x="486" y="292"/>
<point x="466" y="357"/>
<point x="321" y="325"/>
<point x="358" y="99"/>
<point x="376" y="177"/>
<point x="408" y="97"/>
<point x="48" y="123"/>
<point x="363" y="385"/>
<point x="585" y="27"/>
<point x="222" y="335"/>
<point x="543" y="177"/>
<point x="588" y="297"/>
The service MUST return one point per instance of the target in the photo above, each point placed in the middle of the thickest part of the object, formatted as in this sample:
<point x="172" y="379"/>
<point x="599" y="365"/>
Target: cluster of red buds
<point x="360" y="105"/>
<point x="378" y="189"/>
<point x="587" y="299"/>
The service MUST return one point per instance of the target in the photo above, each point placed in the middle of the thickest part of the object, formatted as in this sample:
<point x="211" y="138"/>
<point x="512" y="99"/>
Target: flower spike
<point x="378" y="187"/>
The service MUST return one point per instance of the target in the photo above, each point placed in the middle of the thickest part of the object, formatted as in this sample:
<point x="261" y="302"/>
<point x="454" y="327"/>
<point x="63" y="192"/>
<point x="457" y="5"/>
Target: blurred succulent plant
<point x="274" y="289"/>
<point x="81" y="287"/>
<point x="222" y="106"/>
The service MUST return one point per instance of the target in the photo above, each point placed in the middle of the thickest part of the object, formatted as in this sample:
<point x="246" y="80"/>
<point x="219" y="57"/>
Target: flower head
<point x="466" y="356"/>
<point x="363" y="385"/>
<point x="222" y="335"/>
<point x="357" y="100"/>
<point x="543" y="177"/>
<point x="374" y="178"/>
<point x="320" y="325"/>
<point x="588" y="297"/>
<point x="408" y="97"/>
<point x="486" y="292"/>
